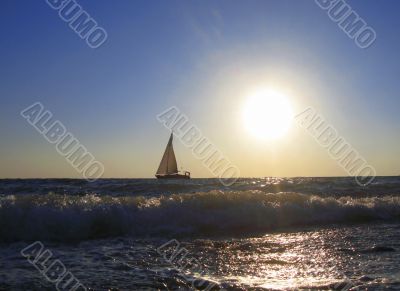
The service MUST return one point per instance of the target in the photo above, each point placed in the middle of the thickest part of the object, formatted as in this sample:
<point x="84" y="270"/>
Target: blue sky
<point x="202" y="56"/>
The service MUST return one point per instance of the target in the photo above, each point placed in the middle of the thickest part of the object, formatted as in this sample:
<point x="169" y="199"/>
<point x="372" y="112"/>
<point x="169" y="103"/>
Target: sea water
<point x="258" y="234"/>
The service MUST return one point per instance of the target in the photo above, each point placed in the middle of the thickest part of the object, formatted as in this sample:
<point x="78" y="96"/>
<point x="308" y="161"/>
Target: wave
<point x="328" y="186"/>
<point x="74" y="218"/>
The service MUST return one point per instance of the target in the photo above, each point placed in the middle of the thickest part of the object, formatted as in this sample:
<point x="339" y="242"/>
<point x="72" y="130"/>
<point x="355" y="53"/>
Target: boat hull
<point x="173" y="176"/>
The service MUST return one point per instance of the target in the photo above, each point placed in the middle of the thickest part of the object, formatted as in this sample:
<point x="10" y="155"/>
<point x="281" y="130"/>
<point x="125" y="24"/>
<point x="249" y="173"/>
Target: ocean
<point x="145" y="234"/>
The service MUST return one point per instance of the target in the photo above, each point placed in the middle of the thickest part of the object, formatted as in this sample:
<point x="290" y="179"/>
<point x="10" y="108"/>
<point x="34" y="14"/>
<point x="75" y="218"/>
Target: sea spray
<point x="237" y="213"/>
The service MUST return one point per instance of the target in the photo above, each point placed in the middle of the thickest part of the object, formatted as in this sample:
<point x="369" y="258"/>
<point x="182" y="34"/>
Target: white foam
<point x="64" y="218"/>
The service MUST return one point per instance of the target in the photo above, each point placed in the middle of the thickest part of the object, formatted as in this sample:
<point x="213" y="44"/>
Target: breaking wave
<point x="73" y="218"/>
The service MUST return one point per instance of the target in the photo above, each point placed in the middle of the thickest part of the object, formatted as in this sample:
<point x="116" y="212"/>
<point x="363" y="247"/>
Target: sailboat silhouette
<point x="168" y="168"/>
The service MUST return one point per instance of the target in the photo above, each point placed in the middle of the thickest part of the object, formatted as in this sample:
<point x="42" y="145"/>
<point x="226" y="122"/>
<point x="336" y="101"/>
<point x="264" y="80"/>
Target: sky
<point x="204" y="57"/>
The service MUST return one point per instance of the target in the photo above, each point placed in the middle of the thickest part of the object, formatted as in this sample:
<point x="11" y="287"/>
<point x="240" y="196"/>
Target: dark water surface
<point x="272" y="233"/>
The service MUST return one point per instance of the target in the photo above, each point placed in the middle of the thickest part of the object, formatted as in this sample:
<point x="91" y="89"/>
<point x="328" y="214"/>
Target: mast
<point x="168" y="163"/>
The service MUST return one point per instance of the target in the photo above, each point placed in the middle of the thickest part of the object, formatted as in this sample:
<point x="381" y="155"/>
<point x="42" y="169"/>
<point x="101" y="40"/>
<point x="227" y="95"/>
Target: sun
<point x="267" y="114"/>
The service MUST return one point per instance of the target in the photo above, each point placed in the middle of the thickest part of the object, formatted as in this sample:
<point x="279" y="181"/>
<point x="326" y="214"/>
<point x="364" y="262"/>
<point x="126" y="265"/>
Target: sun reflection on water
<point x="280" y="261"/>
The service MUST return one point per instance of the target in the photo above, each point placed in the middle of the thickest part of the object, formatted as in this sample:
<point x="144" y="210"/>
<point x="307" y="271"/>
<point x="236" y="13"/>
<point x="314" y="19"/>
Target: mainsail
<point x="168" y="163"/>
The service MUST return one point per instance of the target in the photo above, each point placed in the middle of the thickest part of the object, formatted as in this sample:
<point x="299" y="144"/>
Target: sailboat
<point x="168" y="168"/>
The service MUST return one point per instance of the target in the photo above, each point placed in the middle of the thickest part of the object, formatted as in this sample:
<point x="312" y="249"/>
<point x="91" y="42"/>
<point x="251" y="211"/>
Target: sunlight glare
<point x="267" y="114"/>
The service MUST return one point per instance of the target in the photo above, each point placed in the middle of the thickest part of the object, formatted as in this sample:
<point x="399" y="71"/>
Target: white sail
<point x="168" y="162"/>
